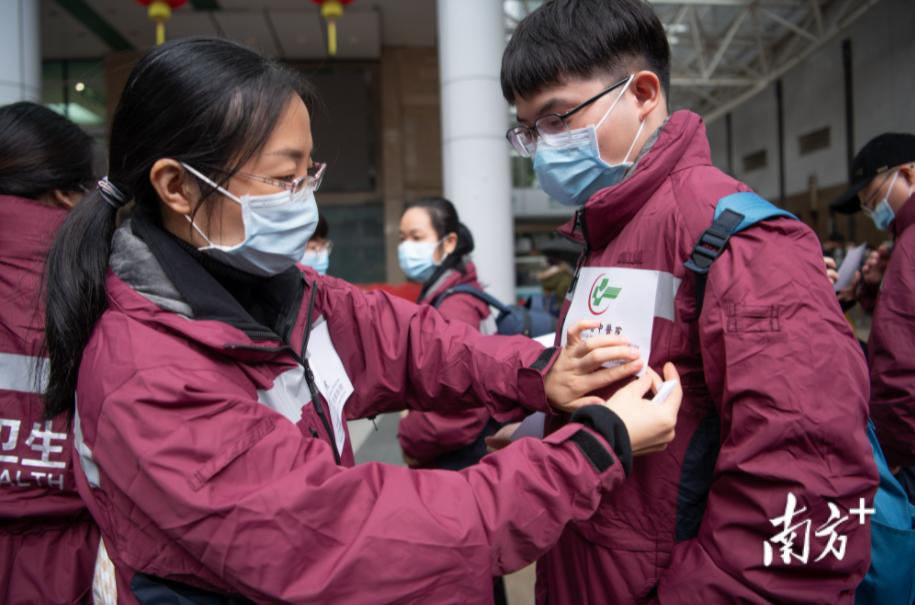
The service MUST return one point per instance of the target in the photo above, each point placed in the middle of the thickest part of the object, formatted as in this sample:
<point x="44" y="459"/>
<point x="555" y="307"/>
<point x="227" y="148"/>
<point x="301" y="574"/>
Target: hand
<point x="578" y="370"/>
<point x="872" y="269"/>
<point x="650" y="425"/>
<point x="411" y="462"/>
<point x="502" y="437"/>
<point x="831" y="272"/>
<point x="851" y="292"/>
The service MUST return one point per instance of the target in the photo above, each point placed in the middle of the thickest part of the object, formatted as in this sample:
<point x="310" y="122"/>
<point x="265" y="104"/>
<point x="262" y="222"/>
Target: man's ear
<point x="648" y="92"/>
<point x="908" y="173"/>
<point x="172" y="184"/>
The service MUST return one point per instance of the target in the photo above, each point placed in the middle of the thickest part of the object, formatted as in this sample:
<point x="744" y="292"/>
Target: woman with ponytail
<point x="48" y="541"/>
<point x="209" y="376"/>
<point x="435" y="251"/>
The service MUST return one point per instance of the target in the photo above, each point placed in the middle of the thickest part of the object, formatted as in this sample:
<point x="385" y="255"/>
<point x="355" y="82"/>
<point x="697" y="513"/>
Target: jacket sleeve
<point x="237" y="487"/>
<point x="790" y="386"/>
<point x="402" y="355"/>
<point x="424" y="436"/>
<point x="892" y="357"/>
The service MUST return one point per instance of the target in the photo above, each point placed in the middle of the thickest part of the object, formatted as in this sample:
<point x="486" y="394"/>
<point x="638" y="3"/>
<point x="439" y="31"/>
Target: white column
<point x="477" y="173"/>
<point x="20" y="47"/>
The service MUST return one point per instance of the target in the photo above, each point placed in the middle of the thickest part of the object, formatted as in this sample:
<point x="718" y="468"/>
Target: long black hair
<point x="205" y="101"/>
<point x="444" y="219"/>
<point x="42" y="151"/>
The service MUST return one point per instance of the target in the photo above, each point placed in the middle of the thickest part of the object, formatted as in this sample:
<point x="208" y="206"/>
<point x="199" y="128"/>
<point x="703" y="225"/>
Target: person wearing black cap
<point x="883" y="185"/>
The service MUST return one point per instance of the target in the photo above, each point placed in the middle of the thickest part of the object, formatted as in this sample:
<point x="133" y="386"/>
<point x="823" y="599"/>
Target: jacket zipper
<point x="303" y="361"/>
<point x="579" y="223"/>
<point x="310" y="377"/>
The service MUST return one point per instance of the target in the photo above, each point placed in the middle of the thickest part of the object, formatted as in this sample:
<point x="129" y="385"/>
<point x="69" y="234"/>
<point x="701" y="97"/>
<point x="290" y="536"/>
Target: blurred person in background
<point x="48" y="541"/>
<point x="883" y="186"/>
<point x="317" y="252"/>
<point x="434" y="251"/>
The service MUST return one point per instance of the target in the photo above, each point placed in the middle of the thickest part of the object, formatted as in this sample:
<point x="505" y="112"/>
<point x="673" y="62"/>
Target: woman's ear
<point x="647" y="90"/>
<point x="171" y="182"/>
<point x="449" y="244"/>
<point x="65" y="199"/>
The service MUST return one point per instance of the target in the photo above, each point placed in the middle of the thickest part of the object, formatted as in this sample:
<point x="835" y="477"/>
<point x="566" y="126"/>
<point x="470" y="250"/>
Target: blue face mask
<point x="277" y="229"/>
<point x="569" y="167"/>
<point x="882" y="214"/>
<point x="319" y="260"/>
<point x="417" y="259"/>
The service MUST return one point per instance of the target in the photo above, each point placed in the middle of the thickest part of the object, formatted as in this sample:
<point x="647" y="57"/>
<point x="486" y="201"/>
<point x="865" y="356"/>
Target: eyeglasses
<point x="867" y="204"/>
<point x="313" y="179"/>
<point x="524" y="138"/>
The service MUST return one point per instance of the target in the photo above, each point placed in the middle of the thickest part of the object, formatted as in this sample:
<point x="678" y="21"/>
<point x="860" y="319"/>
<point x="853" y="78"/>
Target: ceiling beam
<point x="94" y="22"/>
<point x="778" y="70"/>
<point x="725" y="43"/>
<point x="717" y="82"/>
<point x="789" y="25"/>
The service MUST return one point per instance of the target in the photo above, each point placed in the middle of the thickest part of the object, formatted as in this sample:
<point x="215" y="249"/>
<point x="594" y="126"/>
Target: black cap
<point x="879" y="155"/>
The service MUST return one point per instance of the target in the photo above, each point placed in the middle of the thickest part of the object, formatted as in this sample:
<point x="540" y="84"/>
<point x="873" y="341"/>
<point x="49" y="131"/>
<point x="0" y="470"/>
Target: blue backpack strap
<point x="476" y="293"/>
<point x="733" y="214"/>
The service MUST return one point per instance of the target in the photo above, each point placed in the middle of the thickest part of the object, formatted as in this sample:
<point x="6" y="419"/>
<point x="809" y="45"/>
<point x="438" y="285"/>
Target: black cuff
<point x="606" y="423"/>
<point x="543" y="359"/>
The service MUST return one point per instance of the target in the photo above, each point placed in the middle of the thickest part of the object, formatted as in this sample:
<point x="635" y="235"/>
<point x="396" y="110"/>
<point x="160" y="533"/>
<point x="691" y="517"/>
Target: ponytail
<point x="75" y="288"/>
<point x="206" y="102"/>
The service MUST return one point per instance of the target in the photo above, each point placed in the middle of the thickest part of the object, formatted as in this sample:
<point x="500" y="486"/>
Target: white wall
<point x="754" y="128"/>
<point x="883" y="72"/>
<point x="718" y="141"/>
<point x="883" y="51"/>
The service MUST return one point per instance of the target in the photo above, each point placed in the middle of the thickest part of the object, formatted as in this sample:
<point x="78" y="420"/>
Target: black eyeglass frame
<point x="513" y="135"/>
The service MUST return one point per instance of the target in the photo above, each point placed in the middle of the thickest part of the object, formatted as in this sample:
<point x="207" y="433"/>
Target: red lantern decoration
<point x="160" y="11"/>
<point x="332" y="10"/>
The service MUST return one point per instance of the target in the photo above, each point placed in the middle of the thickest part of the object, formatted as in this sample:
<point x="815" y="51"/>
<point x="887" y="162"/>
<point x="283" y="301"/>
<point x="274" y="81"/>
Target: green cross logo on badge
<point x="601" y="294"/>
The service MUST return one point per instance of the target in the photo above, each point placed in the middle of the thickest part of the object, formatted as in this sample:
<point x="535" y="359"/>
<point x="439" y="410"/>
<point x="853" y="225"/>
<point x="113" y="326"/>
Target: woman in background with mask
<point x="209" y="376"/>
<point x="317" y="253"/>
<point x="435" y="251"/>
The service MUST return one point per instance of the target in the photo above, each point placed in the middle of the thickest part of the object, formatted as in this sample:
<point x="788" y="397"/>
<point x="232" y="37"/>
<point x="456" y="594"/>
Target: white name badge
<point x="330" y="377"/>
<point x="624" y="301"/>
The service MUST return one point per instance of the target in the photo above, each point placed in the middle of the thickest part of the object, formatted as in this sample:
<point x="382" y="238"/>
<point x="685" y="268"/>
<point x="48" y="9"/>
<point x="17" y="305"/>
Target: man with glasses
<point x="772" y="442"/>
<point x="883" y="186"/>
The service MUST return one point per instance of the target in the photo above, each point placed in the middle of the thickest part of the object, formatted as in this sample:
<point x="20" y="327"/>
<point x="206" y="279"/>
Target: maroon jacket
<point x="207" y="460"/>
<point x="424" y="436"/>
<point x="775" y="402"/>
<point x="892" y="347"/>
<point x="48" y="542"/>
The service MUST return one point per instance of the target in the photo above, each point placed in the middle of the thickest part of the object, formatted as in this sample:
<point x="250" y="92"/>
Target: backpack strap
<point x="476" y="293"/>
<point x="733" y="214"/>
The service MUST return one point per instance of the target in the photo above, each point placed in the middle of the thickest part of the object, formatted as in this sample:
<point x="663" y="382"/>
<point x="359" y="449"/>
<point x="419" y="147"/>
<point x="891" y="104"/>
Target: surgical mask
<point x="883" y="214"/>
<point x="417" y="259"/>
<point x="277" y="229"/>
<point x="569" y="167"/>
<point x="319" y="260"/>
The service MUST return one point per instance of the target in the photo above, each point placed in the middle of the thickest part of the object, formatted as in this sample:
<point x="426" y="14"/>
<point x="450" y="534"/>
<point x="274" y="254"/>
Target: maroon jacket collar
<point x="450" y="279"/>
<point x="27" y="228"/>
<point x="904" y="219"/>
<point x="681" y="143"/>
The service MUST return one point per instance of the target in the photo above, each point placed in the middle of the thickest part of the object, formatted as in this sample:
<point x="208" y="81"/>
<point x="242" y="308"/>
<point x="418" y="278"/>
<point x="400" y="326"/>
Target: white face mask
<point x="569" y="166"/>
<point x="417" y="259"/>
<point x="277" y="229"/>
